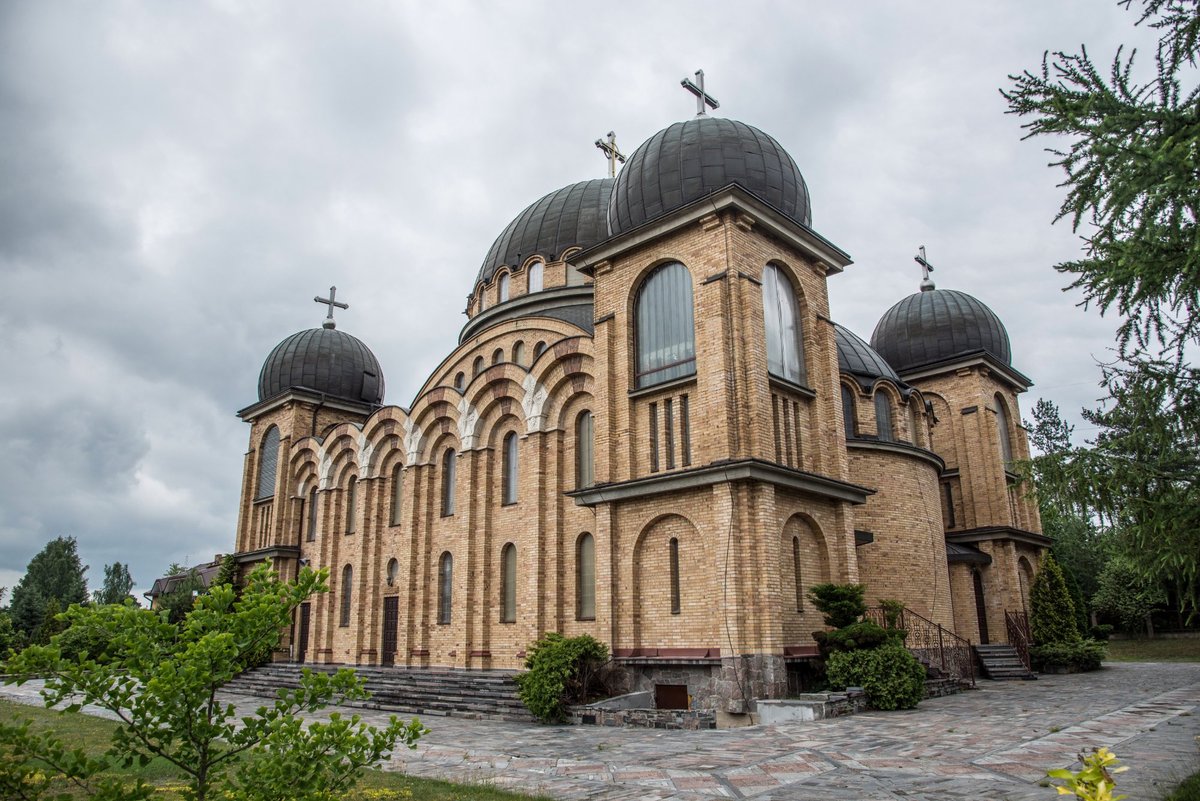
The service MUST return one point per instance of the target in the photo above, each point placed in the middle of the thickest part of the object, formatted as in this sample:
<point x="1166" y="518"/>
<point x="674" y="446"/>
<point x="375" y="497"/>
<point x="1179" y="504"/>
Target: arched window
<point x="477" y="366"/>
<point x="504" y="287"/>
<point x="539" y="349"/>
<point x="1003" y="431"/>
<point x="508" y="584"/>
<point x="781" y="321"/>
<point x="312" y="514"/>
<point x="460" y="381"/>
<point x="848" y="413"/>
<point x="674" y="557"/>
<point x="911" y="416"/>
<point x="535" y="276"/>
<point x="351" y="504"/>
<point x="585" y="577"/>
<point x="393" y="569"/>
<point x="883" y="416"/>
<point x="585" y="474"/>
<point x="497" y="355"/>
<point x="449" y="463"/>
<point x="482" y="298"/>
<point x="796" y="574"/>
<point x="508" y="490"/>
<point x="666" y="345"/>
<point x="268" y="463"/>
<point x="445" y="587"/>
<point x="347" y="591"/>
<point x="397" y="494"/>
<point x="519" y="353"/>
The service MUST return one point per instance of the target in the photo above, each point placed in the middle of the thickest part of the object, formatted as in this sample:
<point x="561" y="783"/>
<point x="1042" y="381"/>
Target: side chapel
<point x="651" y="431"/>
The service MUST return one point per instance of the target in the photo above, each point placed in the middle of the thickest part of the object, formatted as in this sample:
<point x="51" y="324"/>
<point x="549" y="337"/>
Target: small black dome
<point x="574" y="216"/>
<point x="859" y="359"/>
<point x="936" y="325"/>
<point x="689" y="160"/>
<point x="323" y="360"/>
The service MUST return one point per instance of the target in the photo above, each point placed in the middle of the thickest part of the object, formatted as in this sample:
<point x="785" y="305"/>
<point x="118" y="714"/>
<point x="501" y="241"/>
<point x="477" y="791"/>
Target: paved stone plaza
<point x="995" y="743"/>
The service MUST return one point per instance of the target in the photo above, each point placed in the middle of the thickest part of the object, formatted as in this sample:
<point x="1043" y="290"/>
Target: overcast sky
<point x="177" y="181"/>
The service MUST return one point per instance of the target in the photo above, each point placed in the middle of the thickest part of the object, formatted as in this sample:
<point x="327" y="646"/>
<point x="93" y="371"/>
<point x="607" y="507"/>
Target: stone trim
<point x="304" y="395"/>
<point x="719" y="473"/>
<point x="275" y="552"/>
<point x="979" y="358"/>
<point x="527" y="305"/>
<point x="899" y="448"/>
<point x="989" y="533"/>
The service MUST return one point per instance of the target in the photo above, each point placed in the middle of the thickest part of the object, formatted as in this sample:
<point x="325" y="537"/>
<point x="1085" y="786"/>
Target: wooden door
<point x="391" y="621"/>
<point x="980" y="607"/>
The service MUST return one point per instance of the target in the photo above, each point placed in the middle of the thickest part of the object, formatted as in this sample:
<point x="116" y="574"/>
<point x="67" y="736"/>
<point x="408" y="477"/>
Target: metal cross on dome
<point x="614" y="155"/>
<point x="702" y="98"/>
<point x="926" y="269"/>
<point x="331" y="302"/>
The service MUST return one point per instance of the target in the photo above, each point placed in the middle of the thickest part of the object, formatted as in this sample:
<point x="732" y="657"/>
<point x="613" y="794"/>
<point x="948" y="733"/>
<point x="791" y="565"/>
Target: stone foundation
<point x="719" y="684"/>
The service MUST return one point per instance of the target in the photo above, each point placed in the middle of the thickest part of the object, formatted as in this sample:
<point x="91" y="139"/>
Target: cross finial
<point x="702" y="98"/>
<point x="926" y="269"/>
<point x="610" y="151"/>
<point x="331" y="302"/>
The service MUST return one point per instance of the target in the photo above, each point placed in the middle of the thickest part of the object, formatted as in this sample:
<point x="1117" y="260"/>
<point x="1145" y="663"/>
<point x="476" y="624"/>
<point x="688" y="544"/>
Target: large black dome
<point x="937" y="325"/>
<point x="574" y="216"/>
<point x="322" y="360"/>
<point x="692" y="159"/>
<point x="859" y="359"/>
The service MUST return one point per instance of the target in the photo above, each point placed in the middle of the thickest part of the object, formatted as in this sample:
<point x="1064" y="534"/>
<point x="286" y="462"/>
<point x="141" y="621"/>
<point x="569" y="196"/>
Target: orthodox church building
<point x="652" y="431"/>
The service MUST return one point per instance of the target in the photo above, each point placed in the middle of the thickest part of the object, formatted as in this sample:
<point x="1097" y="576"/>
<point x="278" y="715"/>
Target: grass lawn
<point x="94" y="735"/>
<point x="1173" y="650"/>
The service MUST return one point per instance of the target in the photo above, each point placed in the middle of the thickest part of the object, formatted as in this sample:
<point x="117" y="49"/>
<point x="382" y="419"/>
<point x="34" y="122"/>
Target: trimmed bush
<point x="1081" y="655"/>
<point x="1051" y="613"/>
<point x="561" y="671"/>
<point x="890" y="675"/>
<point x="859" y="636"/>
<point x="1101" y="632"/>
<point x="840" y="604"/>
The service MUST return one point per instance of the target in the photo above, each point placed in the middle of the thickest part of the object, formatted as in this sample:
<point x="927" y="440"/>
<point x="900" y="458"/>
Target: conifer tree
<point x="55" y="572"/>
<point x="1051" y="613"/>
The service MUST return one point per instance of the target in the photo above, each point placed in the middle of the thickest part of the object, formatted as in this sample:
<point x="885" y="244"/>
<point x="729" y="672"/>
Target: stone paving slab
<point x="996" y="742"/>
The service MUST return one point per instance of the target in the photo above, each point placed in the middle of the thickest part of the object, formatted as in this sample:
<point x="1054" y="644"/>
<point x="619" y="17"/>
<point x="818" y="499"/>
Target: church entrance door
<point x="391" y="621"/>
<point x="980" y="607"/>
<point x="302" y="638"/>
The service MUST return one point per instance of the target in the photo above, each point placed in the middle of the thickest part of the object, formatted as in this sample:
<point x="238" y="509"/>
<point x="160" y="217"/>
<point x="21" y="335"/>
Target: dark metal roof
<point x="689" y="160"/>
<point x="574" y="216"/>
<point x="938" y="325"/>
<point x="859" y="359"/>
<point x="966" y="553"/>
<point x="323" y="360"/>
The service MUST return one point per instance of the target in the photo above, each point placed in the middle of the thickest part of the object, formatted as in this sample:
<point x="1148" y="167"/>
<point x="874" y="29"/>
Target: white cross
<point x="702" y="98"/>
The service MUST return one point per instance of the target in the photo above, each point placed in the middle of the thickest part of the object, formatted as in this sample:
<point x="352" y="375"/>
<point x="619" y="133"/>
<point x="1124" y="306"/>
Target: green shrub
<point x="840" y="604"/>
<point x="561" y="671"/>
<point x="1080" y="655"/>
<point x="861" y="636"/>
<point x="890" y="675"/>
<point x="1094" y="781"/>
<point x="82" y="640"/>
<point x="1101" y="632"/>
<point x="1052" y="614"/>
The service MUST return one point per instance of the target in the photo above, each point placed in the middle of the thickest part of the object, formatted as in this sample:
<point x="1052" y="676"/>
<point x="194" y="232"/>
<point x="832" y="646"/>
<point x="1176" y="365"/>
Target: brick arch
<point x="304" y="464"/>
<point x="1025" y="576"/>
<point x="430" y="422"/>
<point x="653" y="622"/>
<point x="801" y="541"/>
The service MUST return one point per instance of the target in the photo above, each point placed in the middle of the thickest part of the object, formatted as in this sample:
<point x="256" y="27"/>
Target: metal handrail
<point x="1019" y="637"/>
<point x="931" y="643"/>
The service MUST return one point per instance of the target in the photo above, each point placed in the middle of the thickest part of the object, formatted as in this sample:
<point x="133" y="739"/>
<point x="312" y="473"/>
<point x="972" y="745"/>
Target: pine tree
<point x="55" y="572"/>
<point x="117" y="585"/>
<point x="1052" y="613"/>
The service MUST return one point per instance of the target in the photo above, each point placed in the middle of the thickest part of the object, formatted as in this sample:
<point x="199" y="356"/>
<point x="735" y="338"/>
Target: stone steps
<point x="476" y="694"/>
<point x="1002" y="663"/>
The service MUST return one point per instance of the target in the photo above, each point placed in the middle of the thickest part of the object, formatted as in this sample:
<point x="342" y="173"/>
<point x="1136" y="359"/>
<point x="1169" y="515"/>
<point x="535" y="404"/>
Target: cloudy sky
<point x="177" y="181"/>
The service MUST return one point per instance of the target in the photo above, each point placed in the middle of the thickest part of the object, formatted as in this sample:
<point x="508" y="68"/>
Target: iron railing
<point x="932" y="644"/>
<point x="1019" y="637"/>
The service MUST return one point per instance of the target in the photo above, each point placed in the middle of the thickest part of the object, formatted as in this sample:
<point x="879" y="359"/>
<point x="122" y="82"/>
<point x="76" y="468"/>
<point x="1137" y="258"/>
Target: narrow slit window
<point x="445" y="588"/>
<point x="585" y="577"/>
<point x="351" y="504"/>
<point x="653" y="437"/>
<point x="669" y="430"/>
<point x="449" y="465"/>
<point x="509" y="484"/>
<point x="508" y="584"/>
<point x="312" y="514"/>
<point x="674" y="557"/>
<point x="585" y="474"/>
<point x="796" y="574"/>
<point x="685" y="431"/>
<point x="347" y="592"/>
<point x="397" y="495"/>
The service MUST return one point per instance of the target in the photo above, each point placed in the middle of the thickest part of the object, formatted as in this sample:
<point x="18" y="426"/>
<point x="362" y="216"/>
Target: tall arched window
<point x="504" y="287"/>
<point x="781" y="319"/>
<point x="519" y="353"/>
<point x="393" y="570"/>
<point x="460" y="381"/>
<point x="539" y="349"/>
<point x="585" y="473"/>
<point x="666" y="339"/>
<point x="848" y="414"/>
<point x="482" y="298"/>
<point x="911" y="415"/>
<point x="347" y="591"/>
<point x="351" y="504"/>
<point x="796" y="574"/>
<point x="585" y="577"/>
<point x="397" y="494"/>
<point x="674" y="558"/>
<point x="883" y="416"/>
<point x="477" y="366"/>
<point x="268" y="463"/>
<point x="497" y="355"/>
<point x="1003" y="431"/>
<point x="508" y="490"/>
<point x="535" y="276"/>
<point x="508" y="584"/>
<point x="312" y="514"/>
<point x="449" y="464"/>
<point x="445" y="587"/>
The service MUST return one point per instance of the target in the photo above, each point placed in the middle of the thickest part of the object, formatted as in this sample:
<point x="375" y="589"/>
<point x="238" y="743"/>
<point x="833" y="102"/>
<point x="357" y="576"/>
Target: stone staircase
<point x="1002" y="663"/>
<point x="475" y="694"/>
